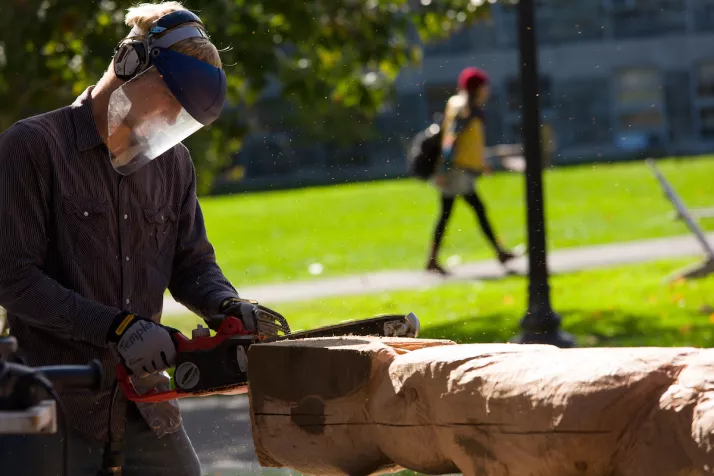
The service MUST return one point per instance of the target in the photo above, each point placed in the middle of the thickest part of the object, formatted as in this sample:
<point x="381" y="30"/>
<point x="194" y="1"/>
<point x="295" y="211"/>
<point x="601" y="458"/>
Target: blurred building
<point x="620" y="79"/>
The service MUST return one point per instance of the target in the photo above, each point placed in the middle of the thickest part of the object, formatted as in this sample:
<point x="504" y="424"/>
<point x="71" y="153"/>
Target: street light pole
<point x="541" y="324"/>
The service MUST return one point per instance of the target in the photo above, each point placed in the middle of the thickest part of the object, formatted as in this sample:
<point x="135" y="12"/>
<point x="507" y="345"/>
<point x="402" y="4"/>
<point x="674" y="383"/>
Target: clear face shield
<point x="145" y="120"/>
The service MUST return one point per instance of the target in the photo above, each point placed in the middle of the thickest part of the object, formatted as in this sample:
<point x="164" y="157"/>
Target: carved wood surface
<point x="359" y="405"/>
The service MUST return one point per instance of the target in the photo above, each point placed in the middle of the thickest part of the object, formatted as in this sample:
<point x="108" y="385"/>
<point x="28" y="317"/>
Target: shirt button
<point x="126" y="216"/>
<point x="86" y="214"/>
<point x="127" y="300"/>
<point x="127" y="258"/>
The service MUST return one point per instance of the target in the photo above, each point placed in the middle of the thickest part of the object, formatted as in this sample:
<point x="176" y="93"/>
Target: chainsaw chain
<point x="271" y="323"/>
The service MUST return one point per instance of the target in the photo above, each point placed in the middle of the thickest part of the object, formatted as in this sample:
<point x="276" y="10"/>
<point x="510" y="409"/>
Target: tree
<point x="324" y="54"/>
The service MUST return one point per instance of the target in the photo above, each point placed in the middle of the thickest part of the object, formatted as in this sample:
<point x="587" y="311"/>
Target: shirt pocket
<point x="87" y="228"/>
<point x="162" y="232"/>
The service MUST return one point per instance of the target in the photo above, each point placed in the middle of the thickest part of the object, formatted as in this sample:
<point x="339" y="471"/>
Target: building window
<point x="513" y="95"/>
<point x="679" y="103"/>
<point x="641" y="120"/>
<point x="620" y="4"/>
<point x="512" y="117"/>
<point x="703" y="15"/>
<point x="514" y="101"/>
<point x="646" y="18"/>
<point x="706" y="119"/>
<point x="705" y="83"/>
<point x="458" y="42"/>
<point x="639" y="107"/>
<point x="559" y="21"/>
<point x="705" y="98"/>
<point x="437" y="94"/>
<point x="638" y="87"/>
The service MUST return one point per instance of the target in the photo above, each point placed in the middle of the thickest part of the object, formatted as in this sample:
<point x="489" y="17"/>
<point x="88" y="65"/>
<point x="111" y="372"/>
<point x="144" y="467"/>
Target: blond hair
<point x="141" y="16"/>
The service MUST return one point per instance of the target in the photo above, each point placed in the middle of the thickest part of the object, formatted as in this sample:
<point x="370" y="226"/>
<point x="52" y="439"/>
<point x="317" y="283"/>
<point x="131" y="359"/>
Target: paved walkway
<point x="220" y="426"/>
<point x="559" y="261"/>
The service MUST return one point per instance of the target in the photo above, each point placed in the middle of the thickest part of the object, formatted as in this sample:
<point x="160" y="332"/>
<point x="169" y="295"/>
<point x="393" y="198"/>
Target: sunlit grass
<point x="269" y="237"/>
<point x="620" y="306"/>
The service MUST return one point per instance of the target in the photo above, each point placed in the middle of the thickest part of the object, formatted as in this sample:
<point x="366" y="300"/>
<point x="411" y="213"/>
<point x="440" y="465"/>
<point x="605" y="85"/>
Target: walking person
<point x="463" y="160"/>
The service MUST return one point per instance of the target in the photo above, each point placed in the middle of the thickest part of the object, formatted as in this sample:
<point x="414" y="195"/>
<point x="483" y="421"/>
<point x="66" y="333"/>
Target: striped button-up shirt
<point x="80" y="243"/>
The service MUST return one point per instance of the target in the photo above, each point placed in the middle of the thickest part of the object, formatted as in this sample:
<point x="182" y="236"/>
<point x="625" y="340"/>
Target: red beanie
<point x="471" y="78"/>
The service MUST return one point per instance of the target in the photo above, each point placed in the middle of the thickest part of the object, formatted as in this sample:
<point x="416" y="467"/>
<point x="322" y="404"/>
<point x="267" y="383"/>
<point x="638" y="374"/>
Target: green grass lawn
<point x="622" y="306"/>
<point x="264" y="237"/>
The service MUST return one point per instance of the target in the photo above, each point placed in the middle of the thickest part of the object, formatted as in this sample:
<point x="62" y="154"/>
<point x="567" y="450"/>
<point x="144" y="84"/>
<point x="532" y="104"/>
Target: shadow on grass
<point x="603" y="329"/>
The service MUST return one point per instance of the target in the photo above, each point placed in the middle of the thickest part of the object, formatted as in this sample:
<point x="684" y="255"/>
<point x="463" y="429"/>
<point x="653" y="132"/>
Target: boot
<point x="432" y="265"/>
<point x="504" y="256"/>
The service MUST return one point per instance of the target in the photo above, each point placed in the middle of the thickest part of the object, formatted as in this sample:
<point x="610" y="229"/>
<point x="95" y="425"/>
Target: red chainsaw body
<point x="230" y="327"/>
<point x="218" y="365"/>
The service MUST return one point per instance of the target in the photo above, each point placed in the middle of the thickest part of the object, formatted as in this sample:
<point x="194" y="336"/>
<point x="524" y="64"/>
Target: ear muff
<point x="130" y="58"/>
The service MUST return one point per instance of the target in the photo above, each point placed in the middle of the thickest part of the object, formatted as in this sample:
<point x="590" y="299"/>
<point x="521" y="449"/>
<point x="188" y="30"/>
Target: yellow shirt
<point x="465" y="146"/>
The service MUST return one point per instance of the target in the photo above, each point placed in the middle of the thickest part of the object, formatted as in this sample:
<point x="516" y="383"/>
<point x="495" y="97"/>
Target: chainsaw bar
<point x="230" y="374"/>
<point x="394" y="325"/>
<point x="203" y="372"/>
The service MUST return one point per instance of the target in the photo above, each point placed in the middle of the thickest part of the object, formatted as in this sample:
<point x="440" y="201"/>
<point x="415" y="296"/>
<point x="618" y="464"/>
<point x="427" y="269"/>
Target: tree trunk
<point x="359" y="406"/>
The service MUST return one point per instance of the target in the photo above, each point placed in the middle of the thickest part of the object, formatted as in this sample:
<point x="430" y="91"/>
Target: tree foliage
<point x="326" y="55"/>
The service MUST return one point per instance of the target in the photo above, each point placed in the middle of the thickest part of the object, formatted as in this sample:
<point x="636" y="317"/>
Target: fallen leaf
<point x="592" y="340"/>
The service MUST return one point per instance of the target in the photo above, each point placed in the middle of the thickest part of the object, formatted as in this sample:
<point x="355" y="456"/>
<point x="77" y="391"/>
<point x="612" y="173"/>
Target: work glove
<point x="256" y="318"/>
<point x="145" y="347"/>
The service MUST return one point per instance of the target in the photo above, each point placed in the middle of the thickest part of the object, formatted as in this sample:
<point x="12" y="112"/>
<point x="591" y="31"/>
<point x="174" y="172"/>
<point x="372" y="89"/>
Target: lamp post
<point x="541" y="324"/>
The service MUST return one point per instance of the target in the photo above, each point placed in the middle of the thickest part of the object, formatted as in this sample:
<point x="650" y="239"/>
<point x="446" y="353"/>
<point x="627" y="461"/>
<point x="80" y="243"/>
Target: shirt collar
<point x="85" y="129"/>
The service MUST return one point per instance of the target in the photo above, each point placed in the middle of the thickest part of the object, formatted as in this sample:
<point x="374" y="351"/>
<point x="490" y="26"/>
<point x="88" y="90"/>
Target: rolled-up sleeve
<point x="197" y="281"/>
<point x="26" y="291"/>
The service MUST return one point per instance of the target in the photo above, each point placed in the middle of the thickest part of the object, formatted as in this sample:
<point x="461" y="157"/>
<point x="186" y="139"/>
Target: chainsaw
<point x="218" y="365"/>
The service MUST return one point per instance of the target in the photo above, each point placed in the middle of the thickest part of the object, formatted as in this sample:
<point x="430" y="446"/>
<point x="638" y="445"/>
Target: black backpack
<point x="424" y="152"/>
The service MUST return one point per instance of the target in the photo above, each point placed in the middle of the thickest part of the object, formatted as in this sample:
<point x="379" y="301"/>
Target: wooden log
<point x="362" y="406"/>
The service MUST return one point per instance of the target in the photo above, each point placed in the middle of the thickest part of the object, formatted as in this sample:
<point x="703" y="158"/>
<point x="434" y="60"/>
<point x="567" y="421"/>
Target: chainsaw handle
<point x="123" y="372"/>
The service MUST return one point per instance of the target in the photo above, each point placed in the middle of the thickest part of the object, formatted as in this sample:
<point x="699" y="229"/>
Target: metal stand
<point x="695" y="213"/>
<point x="541" y="324"/>
<point x="38" y="419"/>
<point x="698" y="270"/>
<point x="29" y="396"/>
